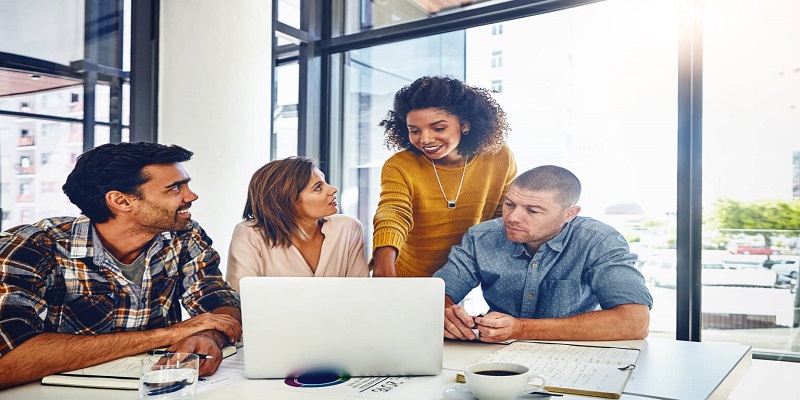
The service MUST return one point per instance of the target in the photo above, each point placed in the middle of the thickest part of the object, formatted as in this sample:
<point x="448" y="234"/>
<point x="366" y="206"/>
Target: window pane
<point x="35" y="158"/>
<point x="751" y="169"/>
<point x="102" y="97"/>
<point x="580" y="91"/>
<point x="42" y="29"/>
<point x="126" y="36"/>
<point x="289" y="12"/>
<point x="126" y="104"/>
<point x="365" y="15"/>
<point x="285" y="123"/>
<point x="102" y="135"/>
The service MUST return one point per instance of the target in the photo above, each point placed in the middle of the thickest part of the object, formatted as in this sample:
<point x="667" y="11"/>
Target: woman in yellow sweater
<point x="451" y="172"/>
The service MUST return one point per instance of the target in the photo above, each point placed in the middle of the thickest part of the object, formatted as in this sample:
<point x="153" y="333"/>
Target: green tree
<point x="760" y="217"/>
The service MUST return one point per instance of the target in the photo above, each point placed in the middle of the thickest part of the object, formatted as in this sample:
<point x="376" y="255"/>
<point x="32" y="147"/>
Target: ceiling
<point x="15" y="82"/>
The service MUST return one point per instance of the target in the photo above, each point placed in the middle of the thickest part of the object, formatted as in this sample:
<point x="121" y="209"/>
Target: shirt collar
<point x="84" y="241"/>
<point x="560" y="241"/>
<point x="81" y="238"/>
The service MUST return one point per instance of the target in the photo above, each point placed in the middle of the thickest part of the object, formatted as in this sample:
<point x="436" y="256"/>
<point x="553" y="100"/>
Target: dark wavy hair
<point x="115" y="167"/>
<point x="272" y="198"/>
<point x="488" y="125"/>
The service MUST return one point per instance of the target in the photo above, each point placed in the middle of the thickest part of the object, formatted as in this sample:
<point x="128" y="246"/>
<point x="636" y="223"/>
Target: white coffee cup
<point x="501" y="381"/>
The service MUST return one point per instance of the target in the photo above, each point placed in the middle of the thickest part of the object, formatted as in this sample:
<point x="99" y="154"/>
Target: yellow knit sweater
<point x="412" y="214"/>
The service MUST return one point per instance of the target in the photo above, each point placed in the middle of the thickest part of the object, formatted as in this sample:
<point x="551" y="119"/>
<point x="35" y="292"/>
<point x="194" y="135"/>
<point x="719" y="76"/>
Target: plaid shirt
<point x="56" y="277"/>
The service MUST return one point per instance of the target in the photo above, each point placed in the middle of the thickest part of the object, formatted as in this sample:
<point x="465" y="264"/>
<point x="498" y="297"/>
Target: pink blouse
<point x="342" y="253"/>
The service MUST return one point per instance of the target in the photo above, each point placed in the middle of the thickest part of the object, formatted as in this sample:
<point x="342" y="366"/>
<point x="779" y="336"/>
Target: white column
<point x="214" y="99"/>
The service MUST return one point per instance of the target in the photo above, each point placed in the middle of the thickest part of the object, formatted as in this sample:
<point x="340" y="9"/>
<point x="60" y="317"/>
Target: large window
<point x="751" y="135"/>
<point x="63" y="91"/>
<point x="608" y="90"/>
<point x="580" y="92"/>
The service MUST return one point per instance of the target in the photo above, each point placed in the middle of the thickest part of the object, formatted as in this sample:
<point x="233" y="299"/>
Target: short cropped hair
<point x="115" y="167"/>
<point x="272" y="198"/>
<point x="488" y="124"/>
<point x="551" y="178"/>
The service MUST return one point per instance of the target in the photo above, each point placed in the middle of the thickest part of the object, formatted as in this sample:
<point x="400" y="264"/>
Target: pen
<point x="169" y="353"/>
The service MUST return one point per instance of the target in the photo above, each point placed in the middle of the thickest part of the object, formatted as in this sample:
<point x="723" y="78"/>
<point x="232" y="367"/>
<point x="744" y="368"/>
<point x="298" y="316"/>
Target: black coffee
<point x="497" y="372"/>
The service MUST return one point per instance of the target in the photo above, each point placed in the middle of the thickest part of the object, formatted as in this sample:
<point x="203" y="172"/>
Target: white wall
<point x="214" y="99"/>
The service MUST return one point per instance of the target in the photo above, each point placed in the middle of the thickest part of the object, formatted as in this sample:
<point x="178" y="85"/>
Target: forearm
<point x="218" y="337"/>
<point x="232" y="311"/>
<point x="625" y="322"/>
<point x="50" y="353"/>
<point x="384" y="262"/>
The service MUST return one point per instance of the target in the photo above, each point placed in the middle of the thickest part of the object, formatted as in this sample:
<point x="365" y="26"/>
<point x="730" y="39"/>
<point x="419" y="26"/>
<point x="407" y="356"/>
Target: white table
<point x="666" y="369"/>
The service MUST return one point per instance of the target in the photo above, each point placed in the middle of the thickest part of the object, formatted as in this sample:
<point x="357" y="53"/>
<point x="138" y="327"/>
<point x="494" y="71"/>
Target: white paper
<point x="571" y="366"/>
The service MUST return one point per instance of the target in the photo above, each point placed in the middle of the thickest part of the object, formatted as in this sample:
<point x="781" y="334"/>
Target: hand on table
<point x="458" y="324"/>
<point x="497" y="327"/>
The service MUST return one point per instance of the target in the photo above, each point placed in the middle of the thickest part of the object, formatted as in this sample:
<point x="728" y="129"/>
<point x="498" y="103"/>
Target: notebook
<point x="122" y="373"/>
<point x="301" y="327"/>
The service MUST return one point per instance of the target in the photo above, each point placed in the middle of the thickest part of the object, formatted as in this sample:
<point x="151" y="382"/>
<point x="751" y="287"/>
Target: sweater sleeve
<point x="510" y="175"/>
<point x="393" y="218"/>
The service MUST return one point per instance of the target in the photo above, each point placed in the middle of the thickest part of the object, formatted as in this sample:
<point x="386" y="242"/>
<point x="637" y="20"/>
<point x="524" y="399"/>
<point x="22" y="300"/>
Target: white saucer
<point x="461" y="392"/>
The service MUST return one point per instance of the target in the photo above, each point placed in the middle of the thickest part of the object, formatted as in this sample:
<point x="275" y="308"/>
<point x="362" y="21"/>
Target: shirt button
<point x="529" y="295"/>
<point x="534" y="265"/>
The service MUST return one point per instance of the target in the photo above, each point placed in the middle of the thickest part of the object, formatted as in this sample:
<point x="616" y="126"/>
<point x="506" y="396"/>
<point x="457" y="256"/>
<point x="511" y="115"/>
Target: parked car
<point x="750" y="249"/>
<point x="783" y="267"/>
<point x="661" y="273"/>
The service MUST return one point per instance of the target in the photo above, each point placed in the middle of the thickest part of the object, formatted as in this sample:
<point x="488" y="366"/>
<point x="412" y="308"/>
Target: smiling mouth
<point x="431" y="149"/>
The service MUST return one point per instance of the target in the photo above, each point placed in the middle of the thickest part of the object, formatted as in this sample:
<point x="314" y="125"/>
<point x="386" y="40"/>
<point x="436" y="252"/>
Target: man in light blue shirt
<point x="545" y="272"/>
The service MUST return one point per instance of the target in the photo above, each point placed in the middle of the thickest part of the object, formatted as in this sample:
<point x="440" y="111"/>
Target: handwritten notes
<point x="576" y="369"/>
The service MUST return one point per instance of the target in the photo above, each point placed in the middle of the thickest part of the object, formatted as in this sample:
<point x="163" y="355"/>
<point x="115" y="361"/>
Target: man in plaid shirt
<point x="75" y="292"/>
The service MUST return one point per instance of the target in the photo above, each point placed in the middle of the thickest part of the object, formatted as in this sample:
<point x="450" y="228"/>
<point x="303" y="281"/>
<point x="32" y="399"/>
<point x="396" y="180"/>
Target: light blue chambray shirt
<point x="587" y="265"/>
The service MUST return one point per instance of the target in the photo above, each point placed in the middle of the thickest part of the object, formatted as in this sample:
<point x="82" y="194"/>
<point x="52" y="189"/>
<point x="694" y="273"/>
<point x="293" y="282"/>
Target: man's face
<point x="165" y="199"/>
<point x="534" y="217"/>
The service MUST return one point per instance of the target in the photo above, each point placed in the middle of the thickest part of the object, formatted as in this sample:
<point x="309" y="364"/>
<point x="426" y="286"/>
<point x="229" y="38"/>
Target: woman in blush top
<point x="291" y="228"/>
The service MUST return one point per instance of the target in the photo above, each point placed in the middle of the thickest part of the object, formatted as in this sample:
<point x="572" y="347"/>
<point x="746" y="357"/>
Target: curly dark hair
<point x="488" y="125"/>
<point x="115" y="167"/>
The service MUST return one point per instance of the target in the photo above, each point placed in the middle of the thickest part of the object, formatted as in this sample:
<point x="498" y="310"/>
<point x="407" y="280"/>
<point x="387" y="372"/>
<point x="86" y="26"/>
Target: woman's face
<point x="318" y="199"/>
<point x="436" y="133"/>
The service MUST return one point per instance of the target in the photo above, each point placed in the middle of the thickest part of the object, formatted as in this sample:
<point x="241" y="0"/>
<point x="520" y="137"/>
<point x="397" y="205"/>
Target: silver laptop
<point x="295" y="327"/>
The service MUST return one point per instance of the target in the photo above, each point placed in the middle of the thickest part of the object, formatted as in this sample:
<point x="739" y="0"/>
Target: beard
<point x="156" y="218"/>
